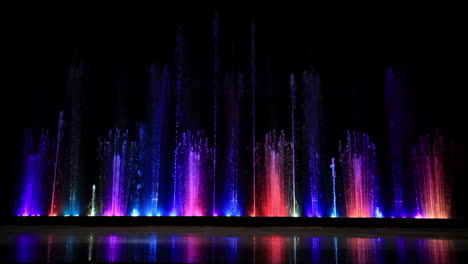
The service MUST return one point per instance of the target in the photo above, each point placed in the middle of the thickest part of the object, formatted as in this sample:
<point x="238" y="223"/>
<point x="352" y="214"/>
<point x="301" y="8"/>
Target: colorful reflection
<point x="114" y="248"/>
<point x="362" y="250"/>
<point x="206" y="248"/>
<point x="271" y="249"/>
<point x="26" y="248"/>
<point x="436" y="250"/>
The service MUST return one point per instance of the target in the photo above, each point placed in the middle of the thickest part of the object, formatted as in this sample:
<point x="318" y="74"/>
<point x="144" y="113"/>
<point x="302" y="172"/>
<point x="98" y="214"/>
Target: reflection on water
<point x="363" y="250"/>
<point x="275" y="247"/>
<point x="214" y="247"/>
<point x="114" y="245"/>
<point x="26" y="249"/>
<point x="436" y="250"/>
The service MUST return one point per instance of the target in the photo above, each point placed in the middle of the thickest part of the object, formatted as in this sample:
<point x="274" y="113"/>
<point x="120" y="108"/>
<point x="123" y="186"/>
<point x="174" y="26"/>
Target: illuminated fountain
<point x="203" y="155"/>
<point x="399" y="123"/>
<point x="432" y="167"/>
<point x="153" y="138"/>
<point x="74" y="156"/>
<point x="274" y="176"/>
<point x="253" y="87"/>
<point x="92" y="205"/>
<point x="312" y="114"/>
<point x="232" y="191"/>
<point x="34" y="169"/>
<point x="216" y="89"/>
<point x="334" y="212"/>
<point x="292" y="85"/>
<point x="357" y="160"/>
<point x="40" y="172"/>
<point x="117" y="169"/>
<point x="56" y="166"/>
<point x="192" y="175"/>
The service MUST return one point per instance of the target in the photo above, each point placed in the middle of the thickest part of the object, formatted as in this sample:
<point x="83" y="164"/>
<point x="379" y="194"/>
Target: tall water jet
<point x="399" y="123"/>
<point x="232" y="161"/>
<point x="56" y="164"/>
<point x="216" y="87"/>
<point x="158" y="110"/>
<point x="312" y="114"/>
<point x="357" y="160"/>
<point x="253" y="80"/>
<point x="432" y="159"/>
<point x="92" y="210"/>
<point x="334" y="212"/>
<point x="34" y="169"/>
<point x="74" y="135"/>
<point x="193" y="175"/>
<point x="274" y="176"/>
<point x="179" y="118"/>
<point x="116" y="171"/>
<point x="292" y="85"/>
<point x="135" y="163"/>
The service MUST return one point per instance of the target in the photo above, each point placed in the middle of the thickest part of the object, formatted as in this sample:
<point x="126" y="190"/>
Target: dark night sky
<point x="351" y="57"/>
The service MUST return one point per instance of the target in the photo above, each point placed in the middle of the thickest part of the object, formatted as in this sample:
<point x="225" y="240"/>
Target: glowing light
<point x="56" y="163"/>
<point x="135" y="212"/>
<point x="418" y="216"/>
<point x="93" y="202"/>
<point x="333" y="173"/>
<point x="378" y="213"/>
